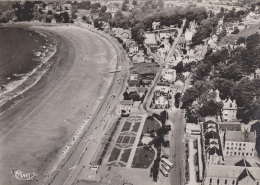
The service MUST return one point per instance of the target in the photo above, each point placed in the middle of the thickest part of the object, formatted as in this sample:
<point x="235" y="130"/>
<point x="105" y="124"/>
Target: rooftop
<point x="150" y="39"/>
<point x="240" y="136"/>
<point x="232" y="172"/>
<point x="235" y="126"/>
<point x="126" y="102"/>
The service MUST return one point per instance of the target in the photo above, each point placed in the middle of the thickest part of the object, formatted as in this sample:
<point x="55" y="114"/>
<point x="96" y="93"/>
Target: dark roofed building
<point x="243" y="162"/>
<point x="215" y="150"/>
<point x="211" y="135"/>
<point x="246" y="175"/>
<point x="256" y="128"/>
<point x="224" y="126"/>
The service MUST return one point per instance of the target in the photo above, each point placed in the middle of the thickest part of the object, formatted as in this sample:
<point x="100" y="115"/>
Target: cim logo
<point x="23" y="176"/>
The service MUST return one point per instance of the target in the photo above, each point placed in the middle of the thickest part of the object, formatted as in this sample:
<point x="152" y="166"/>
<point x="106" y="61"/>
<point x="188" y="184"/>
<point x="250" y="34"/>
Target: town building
<point x="169" y="74"/>
<point x="239" y="143"/>
<point x="161" y="102"/>
<point x="229" y="111"/>
<point x="228" y="155"/>
<point x="231" y="175"/>
<point x="126" y="106"/>
<point x="156" y="25"/>
<point x="139" y="57"/>
<point x="193" y="129"/>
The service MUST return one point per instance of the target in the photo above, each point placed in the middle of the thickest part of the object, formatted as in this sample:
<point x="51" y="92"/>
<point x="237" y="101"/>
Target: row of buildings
<point x="226" y="152"/>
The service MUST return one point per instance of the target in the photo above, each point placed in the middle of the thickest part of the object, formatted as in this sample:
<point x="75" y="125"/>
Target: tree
<point x="57" y="17"/>
<point x="135" y="96"/>
<point x="179" y="67"/>
<point x="95" y="6"/>
<point x="84" y="5"/>
<point x="126" y="96"/>
<point x="211" y="108"/>
<point x="137" y="33"/>
<point x="236" y="31"/>
<point x="225" y="87"/>
<point x="241" y="40"/>
<point x="134" y="2"/>
<point x="164" y="116"/>
<point x="102" y="10"/>
<point x="124" y="7"/>
<point x="66" y="17"/>
<point x="189" y="96"/>
<point x="253" y="41"/>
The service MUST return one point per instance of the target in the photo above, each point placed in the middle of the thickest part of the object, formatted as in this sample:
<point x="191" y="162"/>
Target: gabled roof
<point x="243" y="162"/>
<point x="245" y="174"/>
<point x="211" y="135"/>
<point x="229" y="104"/>
<point x="214" y="150"/>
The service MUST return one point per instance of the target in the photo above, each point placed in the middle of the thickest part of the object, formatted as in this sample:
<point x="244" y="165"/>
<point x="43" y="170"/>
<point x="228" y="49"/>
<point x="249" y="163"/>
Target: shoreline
<point x="44" y="95"/>
<point x="11" y="97"/>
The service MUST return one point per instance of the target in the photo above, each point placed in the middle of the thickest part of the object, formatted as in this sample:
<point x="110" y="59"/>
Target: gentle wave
<point x="26" y="81"/>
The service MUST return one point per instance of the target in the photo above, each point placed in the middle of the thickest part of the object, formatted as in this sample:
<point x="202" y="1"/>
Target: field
<point x="143" y="158"/>
<point x="144" y="68"/>
<point x="244" y="33"/>
<point x="150" y="124"/>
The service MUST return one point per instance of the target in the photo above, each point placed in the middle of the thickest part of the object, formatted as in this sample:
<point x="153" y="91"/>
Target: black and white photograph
<point x="129" y="92"/>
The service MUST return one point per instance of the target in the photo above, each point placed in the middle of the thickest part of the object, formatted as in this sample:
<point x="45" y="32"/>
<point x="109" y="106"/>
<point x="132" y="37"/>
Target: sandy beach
<point x="34" y="132"/>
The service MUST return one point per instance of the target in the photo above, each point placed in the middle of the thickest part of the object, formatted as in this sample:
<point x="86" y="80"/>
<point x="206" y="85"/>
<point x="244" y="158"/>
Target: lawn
<point x="144" y="68"/>
<point x="244" y="33"/>
<point x="119" y="140"/>
<point x="126" y="155"/>
<point x="126" y="126"/>
<point x="132" y="140"/>
<point x="126" y="139"/>
<point x="150" y="125"/>
<point x="143" y="158"/>
<point x="136" y="126"/>
<point x="114" y="155"/>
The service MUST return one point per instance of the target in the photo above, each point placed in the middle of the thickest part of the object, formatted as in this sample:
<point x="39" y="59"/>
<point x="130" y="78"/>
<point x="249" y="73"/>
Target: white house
<point x="161" y="103"/>
<point x="156" y="25"/>
<point x="229" y="111"/>
<point x="169" y="74"/>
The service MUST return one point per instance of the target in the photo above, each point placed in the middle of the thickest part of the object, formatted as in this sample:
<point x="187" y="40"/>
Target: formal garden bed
<point x="114" y="155"/>
<point x="125" y="155"/>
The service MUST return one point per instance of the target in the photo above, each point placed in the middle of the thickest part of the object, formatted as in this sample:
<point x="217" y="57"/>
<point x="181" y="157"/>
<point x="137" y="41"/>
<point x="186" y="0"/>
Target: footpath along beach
<point x="33" y="133"/>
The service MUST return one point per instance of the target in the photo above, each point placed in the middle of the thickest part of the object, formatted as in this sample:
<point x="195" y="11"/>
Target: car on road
<point x="164" y="172"/>
<point x="166" y="167"/>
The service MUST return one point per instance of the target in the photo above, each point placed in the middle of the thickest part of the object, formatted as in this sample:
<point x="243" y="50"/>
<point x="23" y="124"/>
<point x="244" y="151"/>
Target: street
<point x="177" y="147"/>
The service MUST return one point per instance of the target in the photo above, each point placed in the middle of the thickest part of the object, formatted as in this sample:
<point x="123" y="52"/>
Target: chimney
<point x="246" y="136"/>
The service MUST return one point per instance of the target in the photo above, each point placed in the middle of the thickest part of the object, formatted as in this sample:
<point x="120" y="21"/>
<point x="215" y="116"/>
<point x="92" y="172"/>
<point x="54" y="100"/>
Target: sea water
<point x="24" y="58"/>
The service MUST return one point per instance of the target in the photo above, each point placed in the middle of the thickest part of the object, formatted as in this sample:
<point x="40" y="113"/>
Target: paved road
<point x="177" y="147"/>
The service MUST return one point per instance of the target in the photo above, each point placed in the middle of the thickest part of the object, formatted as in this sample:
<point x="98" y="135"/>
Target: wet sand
<point x="34" y="132"/>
